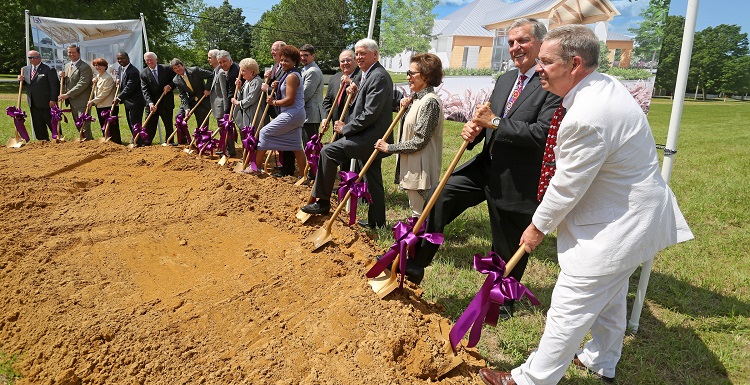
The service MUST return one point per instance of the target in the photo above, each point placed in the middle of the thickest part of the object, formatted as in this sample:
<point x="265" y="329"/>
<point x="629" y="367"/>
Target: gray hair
<point x="576" y="40"/>
<point x="250" y="65"/>
<point x="213" y="53"/>
<point x="175" y="62"/>
<point x="223" y="54"/>
<point x="538" y="28"/>
<point x="150" y="54"/>
<point x="346" y="52"/>
<point x="368" y="44"/>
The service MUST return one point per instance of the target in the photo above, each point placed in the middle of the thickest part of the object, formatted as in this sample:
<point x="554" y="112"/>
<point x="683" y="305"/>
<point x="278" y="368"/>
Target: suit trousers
<point x="114" y="127"/>
<point x="342" y="151"/>
<point x="78" y="110"/>
<point x="308" y="130"/>
<point x="132" y="115"/>
<point x="579" y="305"/>
<point x="166" y="119"/>
<point x="41" y="118"/>
<point x="466" y="188"/>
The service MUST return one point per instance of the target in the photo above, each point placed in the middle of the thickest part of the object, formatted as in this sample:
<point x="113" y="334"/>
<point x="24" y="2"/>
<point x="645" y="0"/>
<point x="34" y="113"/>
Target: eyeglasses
<point x="412" y="73"/>
<point x="34" y="57"/>
<point x="539" y="63"/>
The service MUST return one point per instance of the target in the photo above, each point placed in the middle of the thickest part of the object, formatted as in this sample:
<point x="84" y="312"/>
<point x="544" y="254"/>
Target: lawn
<point x="695" y="327"/>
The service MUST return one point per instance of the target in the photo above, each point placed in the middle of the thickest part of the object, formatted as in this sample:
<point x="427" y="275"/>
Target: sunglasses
<point x="411" y="73"/>
<point x="34" y="57"/>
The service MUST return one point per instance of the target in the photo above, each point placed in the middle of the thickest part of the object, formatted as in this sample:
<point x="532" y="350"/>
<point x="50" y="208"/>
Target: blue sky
<point x="709" y="14"/>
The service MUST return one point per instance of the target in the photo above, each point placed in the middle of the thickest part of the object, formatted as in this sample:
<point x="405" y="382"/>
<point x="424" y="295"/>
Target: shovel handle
<point x="111" y="108"/>
<point x="20" y="89"/>
<point x="205" y="122"/>
<point x="343" y="114"/>
<point x="262" y="118"/>
<point x="190" y="113"/>
<point x="514" y="260"/>
<point x="330" y="112"/>
<point x="150" y="114"/>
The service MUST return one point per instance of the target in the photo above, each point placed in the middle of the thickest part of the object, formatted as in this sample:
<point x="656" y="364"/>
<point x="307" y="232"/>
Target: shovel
<point x="150" y="114"/>
<point x="323" y="235"/>
<point x="80" y="137"/>
<point x="187" y="116"/>
<point x="224" y="156"/>
<point x="189" y="148"/>
<point x="301" y="215"/>
<point x="111" y="108"/>
<point x="245" y="153"/>
<point x="383" y="284"/>
<point x="17" y="142"/>
<point x="60" y="138"/>
<point x="246" y="157"/>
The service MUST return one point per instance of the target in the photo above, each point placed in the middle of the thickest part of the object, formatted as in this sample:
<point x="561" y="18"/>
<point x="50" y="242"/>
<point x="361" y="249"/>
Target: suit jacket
<point x="152" y="89"/>
<point x="104" y="91"/>
<point x="312" y="83"/>
<point x="78" y="84"/>
<point x="218" y="98"/>
<point x="130" y="88"/>
<point x="371" y="114"/>
<point x="333" y="89"/>
<point x="43" y="88"/>
<point x="232" y="75"/>
<point x="607" y="199"/>
<point x="249" y="97"/>
<point x="198" y="78"/>
<point x="515" y="164"/>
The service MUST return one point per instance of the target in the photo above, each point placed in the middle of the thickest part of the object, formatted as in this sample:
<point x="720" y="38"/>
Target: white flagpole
<point x="670" y="149"/>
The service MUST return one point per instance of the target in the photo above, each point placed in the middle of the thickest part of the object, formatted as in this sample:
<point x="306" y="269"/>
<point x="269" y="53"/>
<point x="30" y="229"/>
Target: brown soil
<point x="150" y="266"/>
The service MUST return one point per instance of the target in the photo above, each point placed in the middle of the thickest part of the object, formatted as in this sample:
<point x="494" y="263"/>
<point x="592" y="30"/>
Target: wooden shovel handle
<point x="262" y="118"/>
<point x="111" y="109"/>
<point x="20" y="89"/>
<point x="190" y="113"/>
<point x="330" y="112"/>
<point x="150" y="114"/>
<point x="343" y="114"/>
<point x="514" y="260"/>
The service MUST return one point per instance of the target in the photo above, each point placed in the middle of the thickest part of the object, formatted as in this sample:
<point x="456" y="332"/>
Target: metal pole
<point x="28" y="46"/>
<point x="670" y="149"/>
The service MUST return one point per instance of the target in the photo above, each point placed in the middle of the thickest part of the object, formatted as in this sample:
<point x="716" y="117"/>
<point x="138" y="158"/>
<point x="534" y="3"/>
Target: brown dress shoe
<point x="578" y="364"/>
<point x="496" y="377"/>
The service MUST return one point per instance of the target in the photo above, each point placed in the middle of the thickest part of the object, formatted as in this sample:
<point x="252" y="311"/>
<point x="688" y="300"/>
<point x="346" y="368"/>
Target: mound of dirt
<point x="152" y="266"/>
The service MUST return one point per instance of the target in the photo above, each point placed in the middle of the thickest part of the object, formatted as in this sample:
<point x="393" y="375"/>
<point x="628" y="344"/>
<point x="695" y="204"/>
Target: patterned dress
<point x="284" y="133"/>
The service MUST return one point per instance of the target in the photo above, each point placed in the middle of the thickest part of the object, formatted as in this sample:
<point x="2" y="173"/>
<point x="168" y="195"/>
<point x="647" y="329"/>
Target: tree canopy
<point x="407" y="26"/>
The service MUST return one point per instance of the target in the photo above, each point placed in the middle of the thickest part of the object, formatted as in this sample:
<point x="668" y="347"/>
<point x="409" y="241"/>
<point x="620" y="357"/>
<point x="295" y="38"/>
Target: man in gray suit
<point x="77" y="86"/>
<point x="370" y="118"/>
<point x="312" y="81"/>
<point x="41" y="93"/>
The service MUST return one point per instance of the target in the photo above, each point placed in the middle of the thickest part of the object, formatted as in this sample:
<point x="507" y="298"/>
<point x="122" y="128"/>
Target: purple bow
<point x="140" y="132"/>
<point x="19" y="118"/>
<point x="181" y="126"/>
<point x="81" y="119"/>
<point x="108" y="118"/>
<point x="358" y="190"/>
<point x="56" y="117"/>
<point x="404" y="246"/>
<point x="485" y="307"/>
<point x="227" y="127"/>
<point x="312" y="152"/>
<point x="204" y="141"/>
<point x="250" y="143"/>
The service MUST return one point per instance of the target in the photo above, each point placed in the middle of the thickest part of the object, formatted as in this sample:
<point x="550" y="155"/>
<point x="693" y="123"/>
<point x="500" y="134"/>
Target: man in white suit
<point x="609" y="203"/>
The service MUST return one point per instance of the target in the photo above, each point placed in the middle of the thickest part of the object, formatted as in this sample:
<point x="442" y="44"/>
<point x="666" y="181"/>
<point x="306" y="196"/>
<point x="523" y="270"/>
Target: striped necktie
<point x="548" y="161"/>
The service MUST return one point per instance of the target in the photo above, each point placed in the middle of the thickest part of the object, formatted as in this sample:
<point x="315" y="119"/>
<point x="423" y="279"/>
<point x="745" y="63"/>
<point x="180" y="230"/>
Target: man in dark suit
<point x="130" y="95"/>
<point x="191" y="84"/>
<point x="157" y="80"/>
<point x="369" y="120"/>
<point x="349" y="73"/>
<point x="506" y="172"/>
<point x="228" y="76"/>
<point x="42" y="88"/>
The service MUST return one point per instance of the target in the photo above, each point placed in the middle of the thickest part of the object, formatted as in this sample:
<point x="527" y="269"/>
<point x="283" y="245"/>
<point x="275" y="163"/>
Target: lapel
<point x="529" y="89"/>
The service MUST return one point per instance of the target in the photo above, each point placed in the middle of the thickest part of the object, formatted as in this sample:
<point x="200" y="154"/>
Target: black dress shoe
<point x="364" y="223"/>
<point x="280" y="174"/>
<point x="319" y="207"/>
<point x="496" y="377"/>
<point x="506" y="311"/>
<point x="580" y="365"/>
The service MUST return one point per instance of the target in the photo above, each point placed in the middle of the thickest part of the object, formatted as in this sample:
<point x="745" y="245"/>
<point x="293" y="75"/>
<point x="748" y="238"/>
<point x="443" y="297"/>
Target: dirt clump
<point x="151" y="266"/>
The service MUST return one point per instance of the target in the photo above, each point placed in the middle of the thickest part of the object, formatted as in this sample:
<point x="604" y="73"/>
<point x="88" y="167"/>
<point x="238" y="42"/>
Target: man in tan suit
<point x="77" y="85"/>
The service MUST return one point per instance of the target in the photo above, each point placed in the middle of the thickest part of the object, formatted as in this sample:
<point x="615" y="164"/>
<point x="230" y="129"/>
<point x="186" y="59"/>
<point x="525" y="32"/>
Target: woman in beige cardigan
<point x="420" y="145"/>
<point x="104" y="92"/>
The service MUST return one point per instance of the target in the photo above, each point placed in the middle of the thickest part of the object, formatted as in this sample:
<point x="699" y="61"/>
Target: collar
<point x="570" y="97"/>
<point x="74" y="63"/>
<point x="420" y="94"/>
<point x="365" y="73"/>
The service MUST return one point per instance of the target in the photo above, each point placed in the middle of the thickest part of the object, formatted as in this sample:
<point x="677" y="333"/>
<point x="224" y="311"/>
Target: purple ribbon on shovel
<point x="109" y="119"/>
<point x="404" y="246"/>
<point x="250" y="143"/>
<point x="19" y="118"/>
<point x="140" y="132"/>
<point x="204" y="141"/>
<point x="181" y="126"/>
<point x="485" y="307"/>
<point x="358" y="189"/>
<point x="312" y="152"/>
<point x="81" y="119"/>
<point x="56" y="117"/>
<point x="227" y="127"/>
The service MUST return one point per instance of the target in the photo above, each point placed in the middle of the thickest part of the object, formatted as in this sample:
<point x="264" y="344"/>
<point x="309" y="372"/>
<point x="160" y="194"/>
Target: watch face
<point x="496" y="122"/>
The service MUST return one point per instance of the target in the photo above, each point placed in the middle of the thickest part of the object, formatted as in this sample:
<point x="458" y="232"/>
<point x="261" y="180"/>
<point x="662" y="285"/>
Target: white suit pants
<point x="580" y="304"/>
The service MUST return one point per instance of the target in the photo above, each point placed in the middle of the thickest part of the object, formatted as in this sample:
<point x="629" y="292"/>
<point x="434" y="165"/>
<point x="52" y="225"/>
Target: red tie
<point x="548" y="161"/>
<point x="33" y="72"/>
<point x="514" y="95"/>
<point x="341" y="93"/>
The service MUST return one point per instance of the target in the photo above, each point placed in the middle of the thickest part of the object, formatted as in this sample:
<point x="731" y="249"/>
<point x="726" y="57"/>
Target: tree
<point x="713" y="48"/>
<point x="669" y="57"/>
<point x="650" y="32"/>
<point x="407" y="26"/>
<point x="224" y="28"/>
<point x="736" y="78"/>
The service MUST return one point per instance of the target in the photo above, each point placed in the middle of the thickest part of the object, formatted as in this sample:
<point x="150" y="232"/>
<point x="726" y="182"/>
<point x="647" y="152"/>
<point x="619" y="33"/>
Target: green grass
<point x="8" y="375"/>
<point x="695" y="326"/>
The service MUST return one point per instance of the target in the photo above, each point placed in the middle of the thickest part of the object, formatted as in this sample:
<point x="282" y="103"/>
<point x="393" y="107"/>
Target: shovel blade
<point x="223" y="160"/>
<point x="131" y="146"/>
<point x="320" y="237"/>
<point x="454" y="360"/>
<point x="13" y="143"/>
<point x="385" y="284"/>
<point x="238" y="167"/>
<point x="303" y="216"/>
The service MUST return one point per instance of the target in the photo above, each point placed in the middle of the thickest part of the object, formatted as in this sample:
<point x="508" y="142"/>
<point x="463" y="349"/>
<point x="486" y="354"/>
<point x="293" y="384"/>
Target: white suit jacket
<point x="608" y="201"/>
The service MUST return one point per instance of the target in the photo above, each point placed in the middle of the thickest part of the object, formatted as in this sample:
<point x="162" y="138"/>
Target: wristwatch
<point x="495" y="122"/>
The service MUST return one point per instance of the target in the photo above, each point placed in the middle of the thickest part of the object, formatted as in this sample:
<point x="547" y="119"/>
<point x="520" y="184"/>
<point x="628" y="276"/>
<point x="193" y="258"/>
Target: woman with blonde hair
<point x="249" y="94"/>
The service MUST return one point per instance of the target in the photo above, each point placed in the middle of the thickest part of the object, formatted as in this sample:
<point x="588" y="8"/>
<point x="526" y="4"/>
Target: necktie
<point x="341" y="95"/>
<point x="33" y="72"/>
<point x="153" y="71"/>
<point x="187" y="82"/>
<point x="548" y="161"/>
<point x="514" y="95"/>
